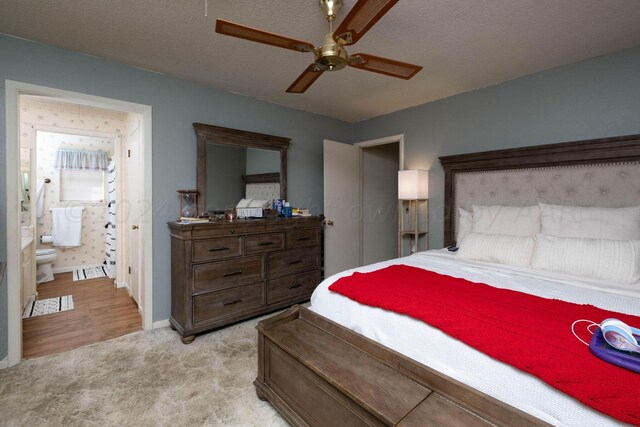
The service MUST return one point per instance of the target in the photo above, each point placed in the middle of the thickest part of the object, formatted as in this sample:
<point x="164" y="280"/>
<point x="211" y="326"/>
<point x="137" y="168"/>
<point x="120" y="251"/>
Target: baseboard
<point x="122" y="284"/>
<point x="70" y="269"/>
<point x="160" y="324"/>
<point x="4" y="363"/>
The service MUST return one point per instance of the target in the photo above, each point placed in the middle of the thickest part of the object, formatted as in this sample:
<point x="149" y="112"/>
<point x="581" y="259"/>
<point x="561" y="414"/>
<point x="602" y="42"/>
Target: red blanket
<point x="530" y="333"/>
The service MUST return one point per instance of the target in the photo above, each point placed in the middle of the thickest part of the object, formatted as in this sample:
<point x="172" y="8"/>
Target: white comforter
<point x="433" y="348"/>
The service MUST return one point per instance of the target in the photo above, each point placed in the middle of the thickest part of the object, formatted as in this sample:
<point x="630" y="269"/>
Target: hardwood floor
<point x="101" y="312"/>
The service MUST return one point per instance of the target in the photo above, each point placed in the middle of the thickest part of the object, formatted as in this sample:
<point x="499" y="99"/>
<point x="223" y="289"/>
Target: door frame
<point x="13" y="90"/>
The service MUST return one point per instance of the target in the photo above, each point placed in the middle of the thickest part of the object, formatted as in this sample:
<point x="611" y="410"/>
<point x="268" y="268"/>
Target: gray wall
<point x="176" y="104"/>
<point x="3" y="316"/>
<point x="3" y="220"/>
<point x="380" y="165"/>
<point x="595" y="98"/>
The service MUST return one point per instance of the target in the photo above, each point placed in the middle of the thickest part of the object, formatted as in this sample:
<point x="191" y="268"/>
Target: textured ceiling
<point x="462" y="44"/>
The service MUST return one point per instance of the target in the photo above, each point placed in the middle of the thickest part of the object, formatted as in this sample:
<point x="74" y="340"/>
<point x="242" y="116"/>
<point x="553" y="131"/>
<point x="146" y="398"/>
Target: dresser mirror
<point x="227" y="156"/>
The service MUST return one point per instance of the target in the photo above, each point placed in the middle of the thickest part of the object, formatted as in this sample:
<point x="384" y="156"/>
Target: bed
<point x="601" y="173"/>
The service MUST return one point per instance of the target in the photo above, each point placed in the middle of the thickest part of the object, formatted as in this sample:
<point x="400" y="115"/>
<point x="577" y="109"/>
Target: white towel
<point x="67" y="226"/>
<point x="39" y="197"/>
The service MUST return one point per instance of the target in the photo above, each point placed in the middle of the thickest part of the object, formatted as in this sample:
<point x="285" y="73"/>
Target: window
<point x="85" y="185"/>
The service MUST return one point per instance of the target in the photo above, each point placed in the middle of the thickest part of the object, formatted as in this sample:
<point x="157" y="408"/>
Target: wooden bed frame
<point x="316" y="372"/>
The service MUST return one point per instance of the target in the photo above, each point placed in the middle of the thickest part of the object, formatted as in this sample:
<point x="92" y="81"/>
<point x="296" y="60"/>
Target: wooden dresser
<point x="223" y="272"/>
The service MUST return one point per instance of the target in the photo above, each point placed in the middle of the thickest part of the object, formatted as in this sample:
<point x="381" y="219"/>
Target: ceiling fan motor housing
<point x="331" y="56"/>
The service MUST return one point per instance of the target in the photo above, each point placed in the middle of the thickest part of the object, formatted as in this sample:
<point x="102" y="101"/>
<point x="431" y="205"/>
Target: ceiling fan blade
<point x="385" y="66"/>
<point x="305" y="80"/>
<point x="363" y="15"/>
<point x="236" y="30"/>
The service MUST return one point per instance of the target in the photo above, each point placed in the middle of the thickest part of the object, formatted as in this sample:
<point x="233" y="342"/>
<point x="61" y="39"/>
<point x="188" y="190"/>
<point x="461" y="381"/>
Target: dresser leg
<point x="188" y="339"/>
<point x="173" y="328"/>
<point x="260" y="395"/>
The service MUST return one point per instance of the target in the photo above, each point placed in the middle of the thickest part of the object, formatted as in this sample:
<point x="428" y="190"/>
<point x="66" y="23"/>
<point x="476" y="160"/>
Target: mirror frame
<point x="242" y="138"/>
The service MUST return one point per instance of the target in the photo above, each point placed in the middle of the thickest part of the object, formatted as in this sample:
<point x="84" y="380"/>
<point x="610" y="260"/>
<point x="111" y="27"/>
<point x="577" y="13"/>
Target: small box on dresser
<point x="226" y="271"/>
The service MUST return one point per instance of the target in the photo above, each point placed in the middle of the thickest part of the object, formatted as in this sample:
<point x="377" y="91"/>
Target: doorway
<point x="360" y="201"/>
<point x="140" y="115"/>
<point x="379" y="176"/>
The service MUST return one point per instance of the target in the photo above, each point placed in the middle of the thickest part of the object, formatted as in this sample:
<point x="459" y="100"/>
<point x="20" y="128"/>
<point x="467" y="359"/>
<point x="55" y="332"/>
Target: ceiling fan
<point x="332" y="55"/>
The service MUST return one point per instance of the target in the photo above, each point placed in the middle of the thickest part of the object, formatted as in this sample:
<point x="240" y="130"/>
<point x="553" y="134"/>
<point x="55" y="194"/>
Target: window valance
<point x="67" y="158"/>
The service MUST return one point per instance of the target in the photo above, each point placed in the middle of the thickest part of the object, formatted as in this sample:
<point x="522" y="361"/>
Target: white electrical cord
<point x="592" y="324"/>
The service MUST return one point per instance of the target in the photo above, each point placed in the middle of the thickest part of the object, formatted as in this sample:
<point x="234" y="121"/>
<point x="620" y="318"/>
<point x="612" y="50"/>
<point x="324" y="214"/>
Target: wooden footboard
<point x="318" y="373"/>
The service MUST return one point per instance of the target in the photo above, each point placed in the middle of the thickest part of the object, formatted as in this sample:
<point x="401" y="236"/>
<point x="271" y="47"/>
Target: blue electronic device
<point x="617" y="343"/>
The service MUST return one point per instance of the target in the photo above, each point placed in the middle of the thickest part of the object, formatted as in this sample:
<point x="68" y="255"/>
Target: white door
<point x="133" y="185"/>
<point x="341" y="207"/>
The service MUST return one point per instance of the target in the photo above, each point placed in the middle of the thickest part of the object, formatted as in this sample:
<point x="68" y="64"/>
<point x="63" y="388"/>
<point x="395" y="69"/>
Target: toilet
<point x="44" y="259"/>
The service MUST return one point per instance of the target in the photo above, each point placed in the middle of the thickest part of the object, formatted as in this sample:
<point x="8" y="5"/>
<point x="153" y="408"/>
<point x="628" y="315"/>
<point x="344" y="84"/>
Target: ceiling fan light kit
<point x="332" y="55"/>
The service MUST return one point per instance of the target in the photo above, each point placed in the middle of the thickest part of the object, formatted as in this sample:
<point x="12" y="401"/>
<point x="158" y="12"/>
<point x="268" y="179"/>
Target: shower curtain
<point x="110" y="247"/>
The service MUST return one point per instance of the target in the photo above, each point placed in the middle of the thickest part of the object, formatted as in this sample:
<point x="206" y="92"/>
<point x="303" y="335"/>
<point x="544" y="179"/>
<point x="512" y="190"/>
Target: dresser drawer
<point x="301" y="238"/>
<point x="260" y="243"/>
<point x="222" y="247"/>
<point x="225" y="274"/>
<point x="293" y="261"/>
<point x="216" y="305"/>
<point x="293" y="286"/>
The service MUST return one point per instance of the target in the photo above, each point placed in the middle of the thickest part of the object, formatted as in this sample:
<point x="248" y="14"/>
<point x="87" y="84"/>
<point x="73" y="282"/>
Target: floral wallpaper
<point x="40" y="115"/>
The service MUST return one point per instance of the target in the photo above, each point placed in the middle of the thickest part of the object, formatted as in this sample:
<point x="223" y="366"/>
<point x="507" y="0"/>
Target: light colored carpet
<point x="147" y="378"/>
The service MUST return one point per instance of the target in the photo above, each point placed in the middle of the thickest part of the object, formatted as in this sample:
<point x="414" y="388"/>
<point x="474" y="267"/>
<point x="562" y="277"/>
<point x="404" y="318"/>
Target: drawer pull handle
<point x="218" y="249"/>
<point x="297" y="285"/>
<point x="233" y="273"/>
<point x="233" y="301"/>
<point x="302" y="239"/>
<point x="298" y="261"/>
<point x="266" y="243"/>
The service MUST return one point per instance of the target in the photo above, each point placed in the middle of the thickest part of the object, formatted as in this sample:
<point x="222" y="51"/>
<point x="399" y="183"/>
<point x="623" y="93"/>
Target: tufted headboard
<point x="599" y="172"/>
<point x="263" y="186"/>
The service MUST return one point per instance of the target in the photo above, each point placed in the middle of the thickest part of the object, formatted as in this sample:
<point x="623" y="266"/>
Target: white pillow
<point x="500" y="248"/>
<point x="592" y="223"/>
<point x="611" y="260"/>
<point x="511" y="220"/>
<point x="257" y="203"/>
<point x="465" y="223"/>
<point x="244" y="203"/>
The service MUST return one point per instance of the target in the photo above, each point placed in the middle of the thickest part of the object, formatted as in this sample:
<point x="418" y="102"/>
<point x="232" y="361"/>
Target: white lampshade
<point x="413" y="184"/>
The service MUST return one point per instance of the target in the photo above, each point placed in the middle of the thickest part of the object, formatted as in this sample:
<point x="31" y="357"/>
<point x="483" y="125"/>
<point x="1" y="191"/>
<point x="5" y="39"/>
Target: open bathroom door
<point x="133" y="202"/>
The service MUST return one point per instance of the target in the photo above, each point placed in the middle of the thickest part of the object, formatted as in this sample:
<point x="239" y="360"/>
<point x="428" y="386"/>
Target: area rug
<point x="147" y="378"/>
<point x="90" y="273"/>
<point x="47" y="306"/>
